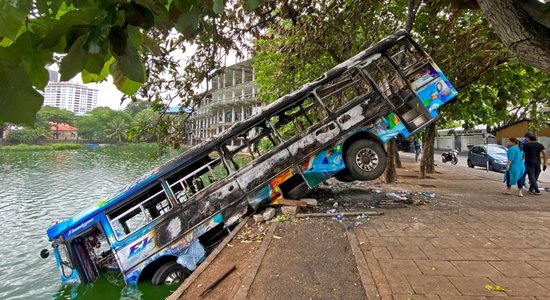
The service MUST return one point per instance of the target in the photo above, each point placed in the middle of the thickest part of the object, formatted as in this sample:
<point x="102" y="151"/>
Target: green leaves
<point x="19" y="102"/>
<point x="74" y="61"/>
<point x="12" y="17"/>
<point x="122" y="82"/>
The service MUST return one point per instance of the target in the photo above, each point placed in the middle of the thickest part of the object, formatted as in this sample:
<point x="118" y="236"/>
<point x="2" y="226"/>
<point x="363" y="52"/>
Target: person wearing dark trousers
<point x="532" y="151"/>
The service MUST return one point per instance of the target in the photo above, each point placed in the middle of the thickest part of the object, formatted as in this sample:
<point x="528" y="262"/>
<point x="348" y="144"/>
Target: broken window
<point x="389" y="81"/>
<point x="298" y="118"/>
<point x="139" y="211"/>
<point x="251" y="145"/>
<point x="404" y="54"/>
<point x="197" y="176"/>
<point x="343" y="89"/>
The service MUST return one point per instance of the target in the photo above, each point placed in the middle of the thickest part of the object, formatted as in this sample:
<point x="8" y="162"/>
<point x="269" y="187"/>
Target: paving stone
<point x="441" y="254"/>
<point x="399" y="266"/>
<point x="414" y="241"/>
<point x="477" y="254"/>
<point x="507" y="242"/>
<point x="437" y="267"/>
<point x="451" y="242"/>
<point x="472" y="285"/>
<point x="415" y="297"/>
<point x="523" y="287"/>
<point x="516" y="269"/>
<point x="381" y="252"/>
<point x="542" y="266"/>
<point x="476" y="268"/>
<point x="477" y="242"/>
<point x="399" y="284"/>
<point x="512" y="254"/>
<point x="431" y="285"/>
<point x="384" y="241"/>
<point x="539" y="253"/>
<point x="402" y="252"/>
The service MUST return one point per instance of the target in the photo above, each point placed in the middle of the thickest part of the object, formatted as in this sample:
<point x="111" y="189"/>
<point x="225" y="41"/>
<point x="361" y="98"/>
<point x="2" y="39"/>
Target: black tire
<point x="366" y="160"/>
<point x="298" y="192"/>
<point x="454" y="160"/>
<point x="344" y="176"/>
<point x="470" y="164"/>
<point x="443" y="158"/>
<point x="491" y="167"/>
<point x="170" y="273"/>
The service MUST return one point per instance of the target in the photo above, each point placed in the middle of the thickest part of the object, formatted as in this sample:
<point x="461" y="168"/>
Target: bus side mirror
<point x="44" y="253"/>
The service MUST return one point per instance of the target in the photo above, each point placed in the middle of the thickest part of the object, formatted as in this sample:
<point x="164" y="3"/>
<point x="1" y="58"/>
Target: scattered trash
<point x="434" y="269"/>
<point x="335" y="204"/>
<point x="357" y="224"/>
<point x="277" y="237"/>
<point x="331" y="211"/>
<point x="229" y="245"/>
<point x="495" y="287"/>
<point x="339" y="217"/>
<point x="376" y="191"/>
<point x="425" y="194"/>
<point x="261" y="228"/>
<point x="396" y="197"/>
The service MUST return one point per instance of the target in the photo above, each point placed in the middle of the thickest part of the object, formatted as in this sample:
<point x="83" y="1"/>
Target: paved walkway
<point x="459" y="247"/>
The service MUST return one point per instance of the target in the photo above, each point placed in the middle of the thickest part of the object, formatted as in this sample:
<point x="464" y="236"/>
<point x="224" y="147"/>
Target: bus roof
<point x="204" y="148"/>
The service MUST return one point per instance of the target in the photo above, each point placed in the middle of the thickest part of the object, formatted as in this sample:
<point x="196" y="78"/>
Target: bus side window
<point x="196" y="177"/>
<point x="343" y="89"/>
<point x="253" y="144"/>
<point x="139" y="211"/>
<point x="404" y="54"/>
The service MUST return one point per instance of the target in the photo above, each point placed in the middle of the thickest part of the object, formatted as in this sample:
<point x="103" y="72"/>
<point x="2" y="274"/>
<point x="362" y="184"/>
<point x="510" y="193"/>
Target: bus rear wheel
<point x="366" y="160"/>
<point x="170" y="273"/>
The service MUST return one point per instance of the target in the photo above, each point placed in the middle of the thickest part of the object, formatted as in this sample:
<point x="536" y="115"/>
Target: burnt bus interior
<point x="92" y="254"/>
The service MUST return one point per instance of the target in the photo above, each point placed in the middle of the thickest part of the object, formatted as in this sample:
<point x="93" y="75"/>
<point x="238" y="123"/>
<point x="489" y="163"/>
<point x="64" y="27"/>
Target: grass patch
<point x="25" y="147"/>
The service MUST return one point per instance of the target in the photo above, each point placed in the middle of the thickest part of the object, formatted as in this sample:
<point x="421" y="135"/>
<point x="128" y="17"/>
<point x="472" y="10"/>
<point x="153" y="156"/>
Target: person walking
<point x="515" y="167"/>
<point x="417" y="149"/>
<point x="532" y="151"/>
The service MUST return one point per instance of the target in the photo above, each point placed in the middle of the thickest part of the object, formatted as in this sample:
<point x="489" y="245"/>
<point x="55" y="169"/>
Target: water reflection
<point x="42" y="187"/>
<point x="110" y="286"/>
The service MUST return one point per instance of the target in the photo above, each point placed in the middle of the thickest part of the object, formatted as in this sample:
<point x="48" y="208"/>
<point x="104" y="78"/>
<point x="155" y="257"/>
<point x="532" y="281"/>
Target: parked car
<point x="493" y="154"/>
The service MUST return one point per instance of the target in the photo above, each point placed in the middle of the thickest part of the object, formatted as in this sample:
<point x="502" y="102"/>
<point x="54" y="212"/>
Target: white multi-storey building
<point x="70" y="96"/>
<point x="233" y="98"/>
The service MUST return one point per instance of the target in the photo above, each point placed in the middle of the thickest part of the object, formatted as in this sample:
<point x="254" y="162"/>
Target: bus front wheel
<point x="366" y="160"/>
<point x="170" y="273"/>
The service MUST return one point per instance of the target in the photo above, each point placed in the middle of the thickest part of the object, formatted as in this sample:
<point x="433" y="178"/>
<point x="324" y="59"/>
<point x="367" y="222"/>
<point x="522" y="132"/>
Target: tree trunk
<point x="427" y="161"/>
<point x="522" y="27"/>
<point x="398" y="163"/>
<point x="390" y="173"/>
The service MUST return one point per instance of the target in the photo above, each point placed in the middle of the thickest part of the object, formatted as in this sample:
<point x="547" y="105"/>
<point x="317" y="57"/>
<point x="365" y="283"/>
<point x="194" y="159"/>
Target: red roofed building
<point x="62" y="131"/>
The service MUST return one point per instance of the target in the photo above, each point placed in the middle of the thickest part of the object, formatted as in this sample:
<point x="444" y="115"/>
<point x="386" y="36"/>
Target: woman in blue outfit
<point x="515" y="168"/>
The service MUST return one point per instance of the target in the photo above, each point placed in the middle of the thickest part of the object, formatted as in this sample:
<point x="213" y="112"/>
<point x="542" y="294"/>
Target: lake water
<point x="39" y="188"/>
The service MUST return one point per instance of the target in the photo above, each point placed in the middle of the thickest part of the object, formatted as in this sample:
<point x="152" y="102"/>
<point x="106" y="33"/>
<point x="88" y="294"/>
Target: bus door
<point x="388" y="78"/>
<point x="92" y="253"/>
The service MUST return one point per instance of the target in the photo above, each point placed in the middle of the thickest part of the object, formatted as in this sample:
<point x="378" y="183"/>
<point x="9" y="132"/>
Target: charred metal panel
<point x="201" y="206"/>
<point x="261" y="171"/>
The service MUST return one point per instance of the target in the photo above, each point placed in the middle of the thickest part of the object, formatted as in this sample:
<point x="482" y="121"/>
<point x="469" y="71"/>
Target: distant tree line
<point x="138" y="122"/>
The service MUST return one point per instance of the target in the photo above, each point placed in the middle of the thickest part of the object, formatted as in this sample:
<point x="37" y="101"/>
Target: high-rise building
<point x="232" y="98"/>
<point x="70" y="96"/>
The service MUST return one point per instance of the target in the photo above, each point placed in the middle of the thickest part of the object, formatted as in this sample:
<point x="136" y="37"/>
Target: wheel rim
<point x="366" y="159"/>
<point x="174" y="277"/>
